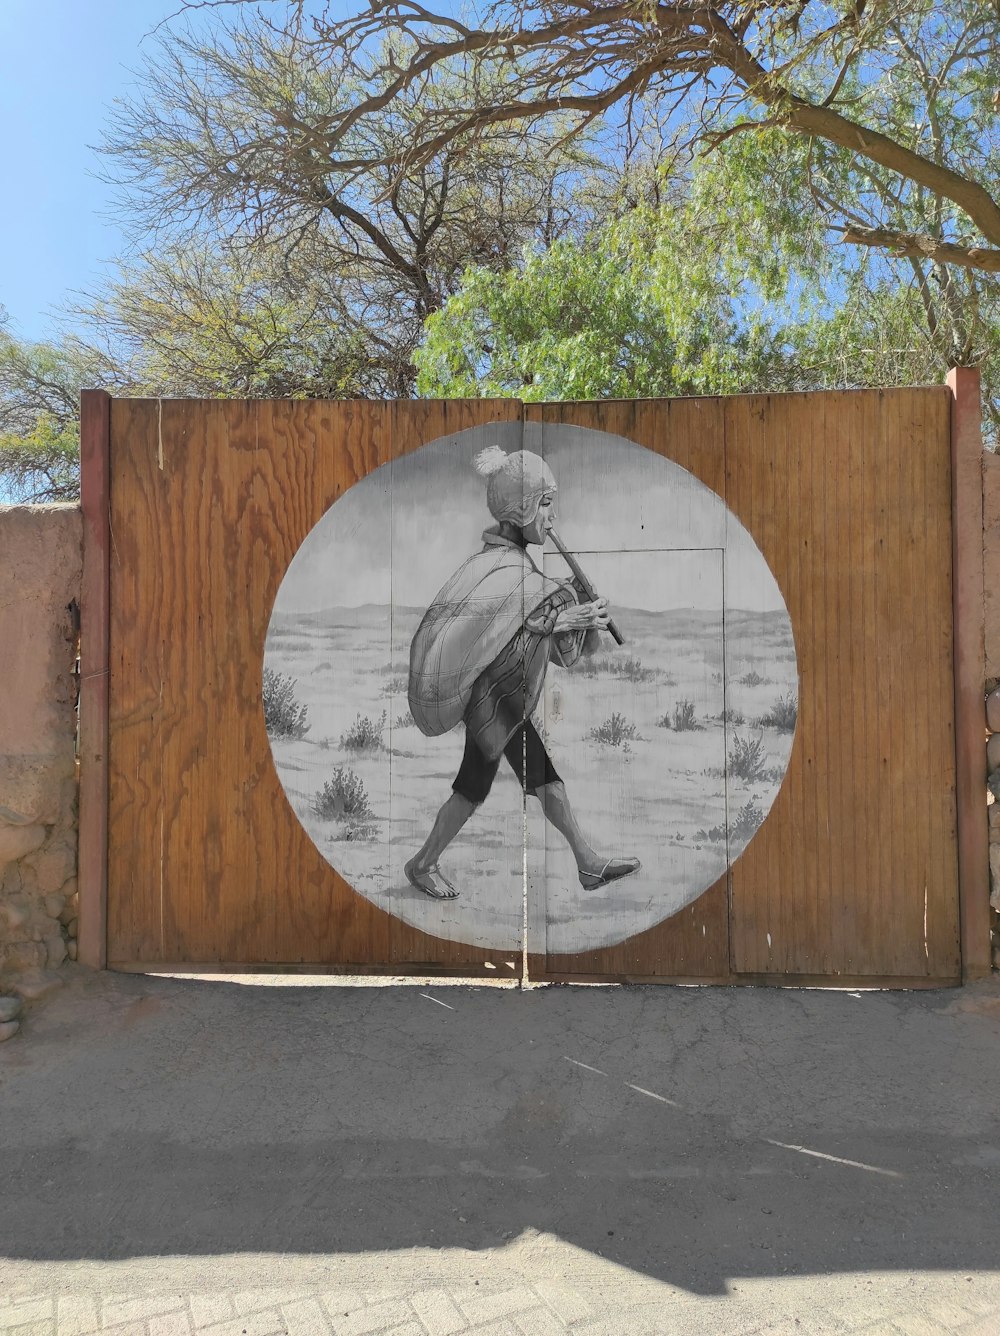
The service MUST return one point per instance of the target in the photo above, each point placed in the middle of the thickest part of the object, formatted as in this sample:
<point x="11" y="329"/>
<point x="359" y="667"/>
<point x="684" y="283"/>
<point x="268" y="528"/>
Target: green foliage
<point x="40" y="385"/>
<point x="631" y="311"/>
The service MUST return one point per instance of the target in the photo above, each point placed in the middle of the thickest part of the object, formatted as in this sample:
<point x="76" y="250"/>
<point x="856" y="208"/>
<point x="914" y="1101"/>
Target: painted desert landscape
<point x="672" y="748"/>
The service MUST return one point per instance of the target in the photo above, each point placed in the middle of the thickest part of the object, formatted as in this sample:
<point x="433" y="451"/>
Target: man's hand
<point x="584" y="616"/>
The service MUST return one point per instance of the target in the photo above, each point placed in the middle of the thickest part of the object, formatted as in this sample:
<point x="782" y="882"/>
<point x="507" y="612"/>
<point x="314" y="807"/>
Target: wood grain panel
<point x="854" y="872"/>
<point x="848" y="495"/>
<point x="210" y="502"/>
<point x="693" y="944"/>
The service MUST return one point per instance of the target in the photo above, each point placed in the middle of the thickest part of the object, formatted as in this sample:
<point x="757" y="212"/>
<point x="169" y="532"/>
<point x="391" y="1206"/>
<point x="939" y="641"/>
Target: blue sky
<point x="62" y="62"/>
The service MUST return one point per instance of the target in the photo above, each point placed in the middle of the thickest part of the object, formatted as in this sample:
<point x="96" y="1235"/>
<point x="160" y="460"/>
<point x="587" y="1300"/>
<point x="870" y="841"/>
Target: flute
<point x="583" y="582"/>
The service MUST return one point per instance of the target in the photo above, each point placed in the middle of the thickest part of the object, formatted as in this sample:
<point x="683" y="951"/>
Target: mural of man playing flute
<point x="479" y="656"/>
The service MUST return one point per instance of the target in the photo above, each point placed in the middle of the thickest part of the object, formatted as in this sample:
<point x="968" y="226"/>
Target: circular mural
<point x="386" y="672"/>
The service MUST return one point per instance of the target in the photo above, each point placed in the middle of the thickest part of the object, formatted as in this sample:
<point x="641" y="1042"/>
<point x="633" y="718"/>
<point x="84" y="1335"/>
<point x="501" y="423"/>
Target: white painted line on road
<point x="437" y="1000"/>
<point x="584" y="1065"/>
<point x="653" y="1095"/>
<point x="836" y="1159"/>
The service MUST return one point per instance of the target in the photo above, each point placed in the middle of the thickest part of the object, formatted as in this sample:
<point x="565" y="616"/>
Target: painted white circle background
<point x="672" y="748"/>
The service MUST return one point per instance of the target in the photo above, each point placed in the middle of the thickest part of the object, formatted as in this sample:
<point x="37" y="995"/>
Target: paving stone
<point x="170" y="1324"/>
<point x="207" y="1309"/>
<point x="255" y="1301"/>
<point x="35" y="1309"/>
<point x="569" y="1303"/>
<point x="479" y="1307"/>
<point x="77" y="1315"/>
<point x="116" y="1311"/>
<point x="437" y="1312"/>
<point x="540" y="1322"/>
<point x="916" y="1324"/>
<point x="505" y="1327"/>
<point x="126" y="1329"/>
<point x="268" y="1323"/>
<point x="44" y="1328"/>
<point x="341" y="1303"/>
<point x="952" y="1316"/>
<point x="374" y="1318"/>
<point x="305" y="1317"/>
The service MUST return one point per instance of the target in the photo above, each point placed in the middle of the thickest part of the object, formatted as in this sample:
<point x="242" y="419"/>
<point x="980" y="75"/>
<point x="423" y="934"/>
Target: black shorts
<point x="526" y="755"/>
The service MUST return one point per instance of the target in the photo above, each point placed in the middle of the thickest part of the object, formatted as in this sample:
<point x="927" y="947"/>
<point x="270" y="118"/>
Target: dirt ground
<point x="182" y="1154"/>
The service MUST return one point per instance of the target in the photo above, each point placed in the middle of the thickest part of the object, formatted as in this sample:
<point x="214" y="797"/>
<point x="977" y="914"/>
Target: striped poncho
<point x="482" y="648"/>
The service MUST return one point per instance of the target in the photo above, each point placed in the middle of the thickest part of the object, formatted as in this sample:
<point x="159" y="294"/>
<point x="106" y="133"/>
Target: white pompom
<point x="490" y="461"/>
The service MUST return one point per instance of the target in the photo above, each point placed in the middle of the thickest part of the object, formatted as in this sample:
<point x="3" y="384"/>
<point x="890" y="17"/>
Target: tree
<point x="632" y="311"/>
<point x="39" y="416"/>
<point x="820" y="69"/>
<point x="724" y="286"/>
<point x="221" y="163"/>
<point x="193" y="320"/>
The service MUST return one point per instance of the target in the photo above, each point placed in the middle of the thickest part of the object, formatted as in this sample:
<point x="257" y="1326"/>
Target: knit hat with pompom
<point x="515" y="483"/>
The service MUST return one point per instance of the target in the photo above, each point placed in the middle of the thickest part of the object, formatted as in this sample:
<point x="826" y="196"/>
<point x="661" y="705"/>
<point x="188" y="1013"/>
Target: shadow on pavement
<point x="694" y="1135"/>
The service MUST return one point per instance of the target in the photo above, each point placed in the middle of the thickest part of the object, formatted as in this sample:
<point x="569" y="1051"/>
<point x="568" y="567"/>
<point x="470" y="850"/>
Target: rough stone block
<point x="16" y="958"/>
<point x="8" y="1029"/>
<point x="54" y="864"/>
<point x="31" y="785"/>
<point x="10" y="1009"/>
<point x="993" y="751"/>
<point x="14" y="917"/>
<point x="19" y="841"/>
<point x="993" y="710"/>
<point x="54" y="904"/>
<point x="55" y="947"/>
<point x="72" y="950"/>
<point x="37" y="983"/>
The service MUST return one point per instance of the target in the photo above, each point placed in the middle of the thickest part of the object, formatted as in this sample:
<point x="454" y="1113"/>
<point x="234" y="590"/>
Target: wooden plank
<point x="861" y="825"/>
<point x="210" y="501"/>
<point x="438" y="515"/>
<point x="95" y="436"/>
<point x="970" y="668"/>
<point x="692" y="943"/>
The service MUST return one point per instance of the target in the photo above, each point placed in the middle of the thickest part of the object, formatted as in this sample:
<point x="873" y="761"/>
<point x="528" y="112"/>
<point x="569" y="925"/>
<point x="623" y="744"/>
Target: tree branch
<point x="922" y="247"/>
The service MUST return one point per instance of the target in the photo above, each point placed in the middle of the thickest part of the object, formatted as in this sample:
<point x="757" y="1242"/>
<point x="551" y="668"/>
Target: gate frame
<point x="968" y="632"/>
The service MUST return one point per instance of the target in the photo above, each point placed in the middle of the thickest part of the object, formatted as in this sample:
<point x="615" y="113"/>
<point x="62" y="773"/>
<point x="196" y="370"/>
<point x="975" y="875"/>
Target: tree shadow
<point x="693" y="1135"/>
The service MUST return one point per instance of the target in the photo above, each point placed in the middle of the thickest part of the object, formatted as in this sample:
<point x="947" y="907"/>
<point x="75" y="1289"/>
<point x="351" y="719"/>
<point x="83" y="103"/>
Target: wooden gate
<point x="194" y="513"/>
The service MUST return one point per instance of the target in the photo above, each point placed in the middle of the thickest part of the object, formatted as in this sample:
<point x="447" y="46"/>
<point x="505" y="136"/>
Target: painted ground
<point x="668" y="754"/>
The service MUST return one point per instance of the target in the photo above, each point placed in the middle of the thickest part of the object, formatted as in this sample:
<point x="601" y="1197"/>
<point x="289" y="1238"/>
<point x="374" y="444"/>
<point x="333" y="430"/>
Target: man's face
<point x="538" y="530"/>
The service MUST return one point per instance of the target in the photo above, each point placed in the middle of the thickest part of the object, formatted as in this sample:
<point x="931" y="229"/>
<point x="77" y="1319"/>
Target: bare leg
<point x="556" y="806"/>
<point x="448" y="822"/>
<point x="594" y="870"/>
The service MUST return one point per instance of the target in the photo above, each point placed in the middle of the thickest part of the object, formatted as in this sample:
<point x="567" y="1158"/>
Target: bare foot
<point x="431" y="881"/>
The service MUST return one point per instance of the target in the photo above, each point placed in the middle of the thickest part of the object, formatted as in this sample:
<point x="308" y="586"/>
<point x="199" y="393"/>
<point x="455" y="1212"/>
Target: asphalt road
<point x="314" y="1158"/>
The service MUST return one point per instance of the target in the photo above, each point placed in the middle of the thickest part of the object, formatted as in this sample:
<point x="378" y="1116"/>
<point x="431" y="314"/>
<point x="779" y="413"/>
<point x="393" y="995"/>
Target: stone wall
<point x="40" y="571"/>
